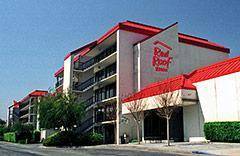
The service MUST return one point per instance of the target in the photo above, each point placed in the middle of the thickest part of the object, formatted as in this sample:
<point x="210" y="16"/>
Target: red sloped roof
<point x="167" y="85"/>
<point x="215" y="70"/>
<point x="35" y="93"/>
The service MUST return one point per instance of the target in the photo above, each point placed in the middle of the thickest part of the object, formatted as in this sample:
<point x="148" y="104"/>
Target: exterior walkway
<point x="187" y="148"/>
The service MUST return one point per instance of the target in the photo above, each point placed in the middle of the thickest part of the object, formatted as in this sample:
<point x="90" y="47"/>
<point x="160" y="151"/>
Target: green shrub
<point x="3" y="130"/>
<point x="96" y="138"/>
<point x="222" y="131"/>
<point x="69" y="138"/>
<point x="22" y="131"/>
<point x="63" y="138"/>
<point x="10" y="137"/>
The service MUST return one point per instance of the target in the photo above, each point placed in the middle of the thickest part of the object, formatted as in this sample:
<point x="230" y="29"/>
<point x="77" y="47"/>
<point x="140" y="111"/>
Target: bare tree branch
<point x="166" y="104"/>
<point x="136" y="108"/>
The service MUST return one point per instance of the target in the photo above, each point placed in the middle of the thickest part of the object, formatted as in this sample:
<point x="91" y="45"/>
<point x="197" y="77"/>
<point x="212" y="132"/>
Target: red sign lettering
<point x="161" y="57"/>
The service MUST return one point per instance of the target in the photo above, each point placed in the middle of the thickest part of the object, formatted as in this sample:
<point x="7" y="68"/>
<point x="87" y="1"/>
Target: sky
<point x="36" y="35"/>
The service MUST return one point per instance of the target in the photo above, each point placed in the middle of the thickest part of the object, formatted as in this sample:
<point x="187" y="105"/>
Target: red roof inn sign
<point x="161" y="58"/>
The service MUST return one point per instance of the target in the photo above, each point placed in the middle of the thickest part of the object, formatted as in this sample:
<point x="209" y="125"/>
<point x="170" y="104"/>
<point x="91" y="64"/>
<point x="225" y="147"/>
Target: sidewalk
<point x="183" y="148"/>
<point x="187" y="148"/>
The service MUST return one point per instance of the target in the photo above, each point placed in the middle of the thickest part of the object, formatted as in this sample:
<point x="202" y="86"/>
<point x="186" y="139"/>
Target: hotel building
<point x="24" y="110"/>
<point x="131" y="57"/>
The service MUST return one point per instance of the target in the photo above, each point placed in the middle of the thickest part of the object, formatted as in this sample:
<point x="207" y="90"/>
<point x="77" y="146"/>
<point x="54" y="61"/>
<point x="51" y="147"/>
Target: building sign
<point x="161" y="57"/>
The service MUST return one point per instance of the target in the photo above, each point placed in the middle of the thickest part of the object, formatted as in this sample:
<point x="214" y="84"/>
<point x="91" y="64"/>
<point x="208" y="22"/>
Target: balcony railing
<point x="89" y="102"/>
<point x="59" y="83"/>
<point x="105" y="53"/>
<point x="86" y="124"/>
<point x="92" y="81"/>
<point x="105" y="114"/>
<point x="105" y="117"/>
<point x="84" y="84"/>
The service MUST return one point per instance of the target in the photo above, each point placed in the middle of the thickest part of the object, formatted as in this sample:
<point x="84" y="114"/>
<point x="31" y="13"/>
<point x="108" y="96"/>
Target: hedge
<point x="3" y="130"/>
<point x="62" y="138"/>
<point x="69" y="138"/>
<point x="222" y="131"/>
<point x="10" y="137"/>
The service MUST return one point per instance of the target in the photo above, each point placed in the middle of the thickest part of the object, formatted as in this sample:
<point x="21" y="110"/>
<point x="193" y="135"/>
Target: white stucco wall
<point x="193" y="121"/>
<point x="220" y="98"/>
<point x="125" y="78"/>
<point x="129" y="127"/>
<point x="68" y="74"/>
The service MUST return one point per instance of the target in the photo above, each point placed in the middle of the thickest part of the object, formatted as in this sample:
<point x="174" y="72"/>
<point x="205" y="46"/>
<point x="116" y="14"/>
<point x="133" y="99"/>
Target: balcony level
<point x="103" y="114"/>
<point x="102" y="77"/>
<point x="59" y="83"/>
<point x="104" y="95"/>
<point x="100" y="58"/>
<point x="24" y="113"/>
<point x="106" y="113"/>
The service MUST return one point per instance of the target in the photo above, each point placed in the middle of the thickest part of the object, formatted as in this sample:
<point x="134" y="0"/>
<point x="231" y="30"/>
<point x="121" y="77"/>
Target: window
<point x="105" y="92"/>
<point x="99" y="75"/>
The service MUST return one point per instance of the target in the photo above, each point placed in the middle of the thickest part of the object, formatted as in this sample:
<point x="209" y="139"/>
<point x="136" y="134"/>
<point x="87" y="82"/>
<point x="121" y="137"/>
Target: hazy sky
<point x="36" y="35"/>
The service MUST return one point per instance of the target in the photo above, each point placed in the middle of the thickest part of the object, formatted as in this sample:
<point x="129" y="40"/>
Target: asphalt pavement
<point x="11" y="149"/>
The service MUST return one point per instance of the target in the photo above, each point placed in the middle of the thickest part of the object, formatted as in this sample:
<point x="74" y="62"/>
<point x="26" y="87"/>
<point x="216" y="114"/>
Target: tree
<point x="69" y="111"/>
<point x="2" y="122"/>
<point x="136" y="108"/>
<point x="166" y="104"/>
<point x="60" y="110"/>
<point x="46" y="111"/>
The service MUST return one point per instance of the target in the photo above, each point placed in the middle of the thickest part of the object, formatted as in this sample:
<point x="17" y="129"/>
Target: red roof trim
<point x="202" y="43"/>
<point x="216" y="70"/>
<point x="150" y="30"/>
<point x="79" y="49"/>
<point x="165" y="86"/>
<point x="59" y="71"/>
<point x="15" y="104"/>
<point x="162" y="30"/>
<point x="76" y="58"/>
<point x="137" y="30"/>
<point x="67" y="56"/>
<point x="184" y="38"/>
<point x="35" y="93"/>
<point x="108" y="33"/>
